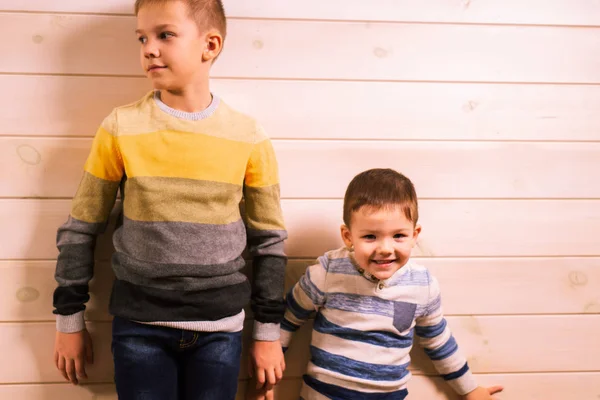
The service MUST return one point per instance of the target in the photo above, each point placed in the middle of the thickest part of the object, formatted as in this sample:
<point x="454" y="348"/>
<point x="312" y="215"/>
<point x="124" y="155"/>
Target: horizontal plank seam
<point x="328" y="20"/>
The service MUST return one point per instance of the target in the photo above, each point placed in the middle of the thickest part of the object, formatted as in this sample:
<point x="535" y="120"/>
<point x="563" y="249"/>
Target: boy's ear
<point x="346" y="236"/>
<point x="214" y="45"/>
<point x="416" y="232"/>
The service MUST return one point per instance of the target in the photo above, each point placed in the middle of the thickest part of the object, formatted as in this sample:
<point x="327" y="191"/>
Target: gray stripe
<point x="266" y="242"/>
<point x="169" y="277"/>
<point x="180" y="242"/>
<point x="75" y="265"/>
<point x="75" y="231"/>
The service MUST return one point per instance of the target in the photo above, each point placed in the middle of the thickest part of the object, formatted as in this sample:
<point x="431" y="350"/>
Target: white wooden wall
<point x="491" y="107"/>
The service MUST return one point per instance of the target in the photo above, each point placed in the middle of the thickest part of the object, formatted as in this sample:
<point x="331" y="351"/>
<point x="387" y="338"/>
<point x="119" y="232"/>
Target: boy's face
<point x="172" y="47"/>
<point x="382" y="239"/>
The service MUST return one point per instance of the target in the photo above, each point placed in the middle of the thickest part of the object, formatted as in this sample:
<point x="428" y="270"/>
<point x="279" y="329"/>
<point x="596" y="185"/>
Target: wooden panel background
<point x="490" y="107"/>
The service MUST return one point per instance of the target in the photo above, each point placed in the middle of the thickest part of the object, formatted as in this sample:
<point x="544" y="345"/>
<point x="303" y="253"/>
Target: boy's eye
<point x="399" y="236"/>
<point x="369" y="237"/>
<point x="142" y="39"/>
<point x="165" y="35"/>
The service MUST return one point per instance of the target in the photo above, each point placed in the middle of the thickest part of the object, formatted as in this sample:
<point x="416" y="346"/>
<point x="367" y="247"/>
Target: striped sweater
<point x="364" y="328"/>
<point x="186" y="180"/>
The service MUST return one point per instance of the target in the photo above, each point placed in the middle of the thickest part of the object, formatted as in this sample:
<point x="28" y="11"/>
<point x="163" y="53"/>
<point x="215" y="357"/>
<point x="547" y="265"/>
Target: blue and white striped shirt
<point x="364" y="328"/>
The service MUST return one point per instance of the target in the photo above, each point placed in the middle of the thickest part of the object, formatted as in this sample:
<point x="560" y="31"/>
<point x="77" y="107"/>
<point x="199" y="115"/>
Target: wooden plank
<point x="500" y="344"/>
<point x="574" y="283"/>
<point x="75" y="106"/>
<point x="491" y="344"/>
<point x="451" y="228"/>
<point x="459" y="228"/>
<point x="560" y="12"/>
<point x="37" y="167"/>
<point x="85" y="44"/>
<point x="550" y="386"/>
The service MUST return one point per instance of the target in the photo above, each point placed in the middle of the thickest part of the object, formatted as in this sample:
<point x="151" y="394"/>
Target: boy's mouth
<point x="155" y="67"/>
<point x="383" y="262"/>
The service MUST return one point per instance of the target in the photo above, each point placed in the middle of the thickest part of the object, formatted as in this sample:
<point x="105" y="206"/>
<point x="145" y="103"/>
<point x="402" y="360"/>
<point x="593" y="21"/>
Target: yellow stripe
<point x="262" y="168"/>
<point x="104" y="160"/>
<point x="185" y="155"/>
<point x="181" y="200"/>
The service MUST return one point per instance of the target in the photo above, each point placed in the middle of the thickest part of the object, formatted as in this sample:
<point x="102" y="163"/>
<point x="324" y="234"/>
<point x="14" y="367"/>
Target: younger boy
<point x="371" y="298"/>
<point x="183" y="160"/>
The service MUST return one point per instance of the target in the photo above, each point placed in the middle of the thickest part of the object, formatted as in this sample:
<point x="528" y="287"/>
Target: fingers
<point x="61" y="365"/>
<point x="71" y="372"/>
<point x="271" y="380"/>
<point x="282" y="364"/>
<point x="494" y="389"/>
<point x="260" y="378"/>
<point x="80" y="368"/>
<point x="270" y="395"/>
<point x="56" y="358"/>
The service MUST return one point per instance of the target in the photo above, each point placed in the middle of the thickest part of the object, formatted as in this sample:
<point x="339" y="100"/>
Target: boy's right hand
<point x="71" y="352"/>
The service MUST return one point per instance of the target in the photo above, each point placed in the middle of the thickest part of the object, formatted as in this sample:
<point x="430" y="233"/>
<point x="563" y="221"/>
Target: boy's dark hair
<point x="380" y="188"/>
<point x="207" y="13"/>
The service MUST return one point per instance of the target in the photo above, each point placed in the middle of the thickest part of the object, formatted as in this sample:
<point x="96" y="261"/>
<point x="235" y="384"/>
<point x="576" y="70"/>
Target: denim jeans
<point x="159" y="363"/>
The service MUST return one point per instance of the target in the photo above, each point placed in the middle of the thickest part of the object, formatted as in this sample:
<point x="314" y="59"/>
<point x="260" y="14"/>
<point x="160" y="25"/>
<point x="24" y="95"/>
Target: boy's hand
<point x="252" y="393"/>
<point x="267" y="363"/>
<point x="71" y="352"/>
<point x="482" y="393"/>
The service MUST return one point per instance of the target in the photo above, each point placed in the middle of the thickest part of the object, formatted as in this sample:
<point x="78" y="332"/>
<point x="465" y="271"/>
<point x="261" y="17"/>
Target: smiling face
<point x="174" y="52"/>
<point x="382" y="238"/>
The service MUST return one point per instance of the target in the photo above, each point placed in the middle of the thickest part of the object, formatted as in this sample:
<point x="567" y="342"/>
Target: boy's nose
<point x="385" y="247"/>
<point x="151" y="51"/>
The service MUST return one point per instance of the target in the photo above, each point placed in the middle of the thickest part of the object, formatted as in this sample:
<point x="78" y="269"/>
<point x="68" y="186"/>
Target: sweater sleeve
<point x="306" y="297"/>
<point x="266" y="234"/>
<point x="440" y="346"/>
<point x="76" y="238"/>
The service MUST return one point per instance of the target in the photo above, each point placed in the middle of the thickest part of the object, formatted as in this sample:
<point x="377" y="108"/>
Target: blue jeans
<point x="158" y="363"/>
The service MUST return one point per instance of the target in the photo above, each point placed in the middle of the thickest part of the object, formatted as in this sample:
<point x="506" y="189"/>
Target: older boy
<point x="183" y="160"/>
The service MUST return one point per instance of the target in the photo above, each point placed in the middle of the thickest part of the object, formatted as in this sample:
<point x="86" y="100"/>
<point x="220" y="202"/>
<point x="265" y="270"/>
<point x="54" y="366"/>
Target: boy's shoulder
<point x="334" y="260"/>
<point x="413" y="273"/>
<point x="239" y="121"/>
<point x="127" y="114"/>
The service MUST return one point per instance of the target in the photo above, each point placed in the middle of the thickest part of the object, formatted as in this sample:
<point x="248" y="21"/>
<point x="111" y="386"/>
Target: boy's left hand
<point x="267" y="362"/>
<point x="482" y="393"/>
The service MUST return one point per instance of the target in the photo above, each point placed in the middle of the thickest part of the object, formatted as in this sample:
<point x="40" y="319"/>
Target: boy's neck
<point x="190" y="100"/>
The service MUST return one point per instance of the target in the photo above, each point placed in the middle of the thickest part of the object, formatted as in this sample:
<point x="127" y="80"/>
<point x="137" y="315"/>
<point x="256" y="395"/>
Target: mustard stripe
<point x="104" y="160"/>
<point x="262" y="208"/>
<point x="262" y="168"/>
<point x="185" y="155"/>
<point x="94" y="199"/>
<point x="181" y="200"/>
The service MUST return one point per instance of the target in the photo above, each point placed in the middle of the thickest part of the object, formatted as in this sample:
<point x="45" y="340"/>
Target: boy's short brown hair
<point x="380" y="188"/>
<point x="207" y="13"/>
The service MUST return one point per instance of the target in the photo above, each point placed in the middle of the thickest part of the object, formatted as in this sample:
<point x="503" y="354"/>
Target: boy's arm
<point x="76" y="238"/>
<point x="440" y="346"/>
<point x="304" y="298"/>
<point x="266" y="234"/>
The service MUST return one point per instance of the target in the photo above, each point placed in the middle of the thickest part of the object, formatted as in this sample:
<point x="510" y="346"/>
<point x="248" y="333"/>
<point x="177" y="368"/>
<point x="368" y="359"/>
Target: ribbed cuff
<point x="285" y="338"/>
<point x="70" y="323"/>
<point x="463" y="385"/>
<point x="265" y="331"/>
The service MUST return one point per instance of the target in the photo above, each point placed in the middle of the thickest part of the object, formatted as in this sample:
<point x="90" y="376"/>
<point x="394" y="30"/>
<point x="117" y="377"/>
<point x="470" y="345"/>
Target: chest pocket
<point x="404" y="314"/>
